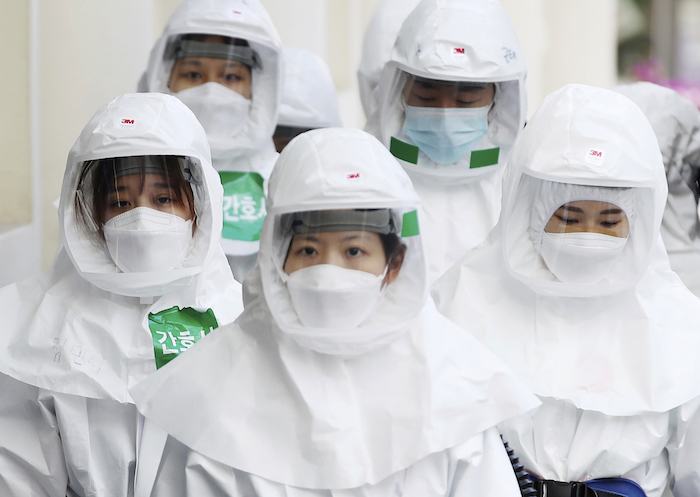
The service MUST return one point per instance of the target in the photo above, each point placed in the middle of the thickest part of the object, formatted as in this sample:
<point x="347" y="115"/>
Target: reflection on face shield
<point x="142" y="207"/>
<point x="446" y="119"/>
<point x="583" y="239"/>
<point x="339" y="263"/>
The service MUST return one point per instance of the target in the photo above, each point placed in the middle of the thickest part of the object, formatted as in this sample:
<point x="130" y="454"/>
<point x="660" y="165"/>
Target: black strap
<point x="553" y="488"/>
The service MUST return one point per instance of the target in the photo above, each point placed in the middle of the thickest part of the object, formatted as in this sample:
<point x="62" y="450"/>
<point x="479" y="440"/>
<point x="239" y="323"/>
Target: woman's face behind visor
<point x="421" y="92"/>
<point x="189" y="72"/>
<point x="590" y="216"/>
<point x="358" y="250"/>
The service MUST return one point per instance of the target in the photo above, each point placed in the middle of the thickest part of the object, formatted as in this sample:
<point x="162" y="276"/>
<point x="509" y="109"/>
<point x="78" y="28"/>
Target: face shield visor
<point x="343" y="281"/>
<point x="453" y="128"/>
<point x="140" y="213"/>
<point x="578" y="240"/>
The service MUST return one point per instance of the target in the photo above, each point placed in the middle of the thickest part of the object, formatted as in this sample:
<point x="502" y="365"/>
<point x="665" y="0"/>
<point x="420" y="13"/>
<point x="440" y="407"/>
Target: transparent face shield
<point x="142" y="209"/>
<point x="579" y="235"/>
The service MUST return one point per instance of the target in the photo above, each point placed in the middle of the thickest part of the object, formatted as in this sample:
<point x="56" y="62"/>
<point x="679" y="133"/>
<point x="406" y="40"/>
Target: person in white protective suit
<point x="223" y="59"/>
<point x="340" y="377"/>
<point x="676" y="122"/>
<point x="573" y="290"/>
<point x="449" y="105"/>
<point x="140" y="278"/>
<point x="379" y="39"/>
<point x="309" y="99"/>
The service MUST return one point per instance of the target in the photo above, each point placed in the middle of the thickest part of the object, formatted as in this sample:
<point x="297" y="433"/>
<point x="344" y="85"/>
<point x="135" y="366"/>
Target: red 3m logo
<point x="595" y="156"/>
<point x="127" y="121"/>
<point x="458" y="51"/>
<point x="353" y="176"/>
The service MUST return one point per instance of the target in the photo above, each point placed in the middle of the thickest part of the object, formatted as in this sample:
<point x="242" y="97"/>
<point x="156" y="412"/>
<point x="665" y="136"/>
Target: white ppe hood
<point x="622" y="346"/>
<point x="309" y="99"/>
<point x="248" y="20"/>
<point x="467" y="41"/>
<point x="83" y="327"/>
<point x="676" y="122"/>
<point x="379" y="39"/>
<point x="346" y="417"/>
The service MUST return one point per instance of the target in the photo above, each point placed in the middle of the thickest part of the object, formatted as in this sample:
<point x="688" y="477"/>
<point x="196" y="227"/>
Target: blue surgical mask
<point x="446" y="135"/>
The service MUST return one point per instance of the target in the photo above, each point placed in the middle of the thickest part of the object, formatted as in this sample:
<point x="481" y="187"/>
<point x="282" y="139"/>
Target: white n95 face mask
<point x="446" y="135"/>
<point x="144" y="239"/>
<point x="221" y="111"/>
<point x="329" y="296"/>
<point x="581" y="258"/>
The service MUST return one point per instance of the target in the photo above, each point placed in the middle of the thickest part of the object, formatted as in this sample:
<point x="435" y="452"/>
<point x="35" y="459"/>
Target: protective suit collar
<point x="620" y="347"/>
<point x="81" y="328"/>
<point x="246" y="19"/>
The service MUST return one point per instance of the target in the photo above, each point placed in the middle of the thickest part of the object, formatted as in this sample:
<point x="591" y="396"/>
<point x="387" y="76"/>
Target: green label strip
<point x="175" y="330"/>
<point x="404" y="151"/>
<point x="244" y="205"/>
<point x="482" y="158"/>
<point x="409" y="227"/>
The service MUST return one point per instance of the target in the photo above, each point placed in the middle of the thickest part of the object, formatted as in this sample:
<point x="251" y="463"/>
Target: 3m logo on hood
<point x="595" y="156"/>
<point x="352" y="176"/>
<point x="458" y="52"/>
<point x="127" y="123"/>
<point x="237" y="14"/>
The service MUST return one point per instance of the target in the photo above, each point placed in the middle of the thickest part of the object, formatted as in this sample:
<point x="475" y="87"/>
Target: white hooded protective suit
<point x="676" y="122"/>
<point x="467" y="41"/>
<point x="84" y="332"/>
<point x="309" y="99"/>
<point x="614" y="360"/>
<point x="379" y="39"/>
<point x="244" y="159"/>
<point x="403" y="404"/>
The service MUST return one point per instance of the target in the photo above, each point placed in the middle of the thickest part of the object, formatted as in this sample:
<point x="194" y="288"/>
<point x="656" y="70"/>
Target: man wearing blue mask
<point x="449" y="105"/>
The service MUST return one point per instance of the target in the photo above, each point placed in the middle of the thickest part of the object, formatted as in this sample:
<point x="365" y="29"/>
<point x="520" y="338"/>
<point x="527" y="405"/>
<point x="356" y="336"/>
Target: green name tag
<point x="244" y="205"/>
<point x="175" y="330"/>
<point x="409" y="226"/>
<point x="404" y="151"/>
<point x="483" y="158"/>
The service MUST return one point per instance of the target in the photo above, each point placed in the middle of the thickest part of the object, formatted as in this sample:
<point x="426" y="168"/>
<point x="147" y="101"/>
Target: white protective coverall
<point x="470" y="41"/>
<point x="676" y="122"/>
<point x="84" y="332"/>
<point x="379" y="39"/>
<point x="244" y="159"/>
<point x="403" y="404"/>
<point x="309" y="99"/>
<point x="614" y="361"/>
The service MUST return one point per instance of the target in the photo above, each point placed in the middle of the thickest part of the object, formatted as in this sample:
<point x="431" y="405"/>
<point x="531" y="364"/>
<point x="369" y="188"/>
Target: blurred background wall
<point x="64" y="59"/>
